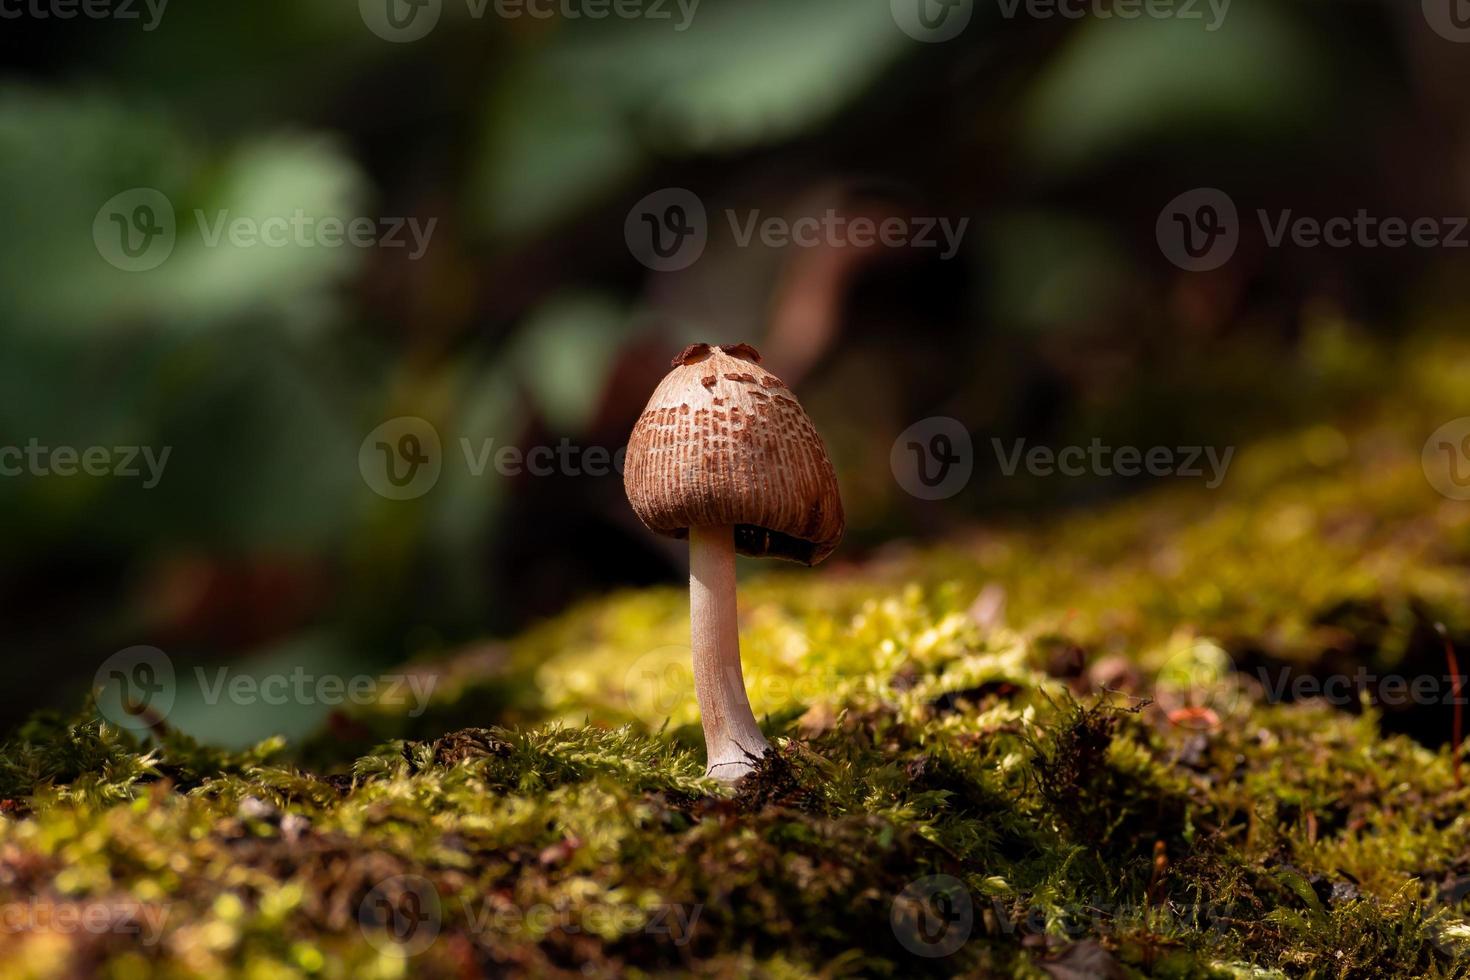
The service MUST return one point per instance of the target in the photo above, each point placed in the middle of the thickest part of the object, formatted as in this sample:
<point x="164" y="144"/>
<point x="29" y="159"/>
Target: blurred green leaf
<point x="1120" y="82"/>
<point x="572" y="123"/>
<point x="758" y="72"/>
<point x="563" y="353"/>
<point x="550" y="150"/>
<point x="63" y="160"/>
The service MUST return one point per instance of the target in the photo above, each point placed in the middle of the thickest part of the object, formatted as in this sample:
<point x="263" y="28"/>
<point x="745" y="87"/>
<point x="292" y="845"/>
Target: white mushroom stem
<point x="732" y="739"/>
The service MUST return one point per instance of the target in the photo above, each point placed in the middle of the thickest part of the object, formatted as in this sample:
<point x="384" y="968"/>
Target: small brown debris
<point x="554" y="854"/>
<point x="1197" y="717"/>
<point x="468" y="743"/>
<point x="15" y="809"/>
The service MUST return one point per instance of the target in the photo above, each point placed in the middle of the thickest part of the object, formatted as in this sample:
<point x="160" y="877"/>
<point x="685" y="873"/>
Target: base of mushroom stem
<point x="729" y="766"/>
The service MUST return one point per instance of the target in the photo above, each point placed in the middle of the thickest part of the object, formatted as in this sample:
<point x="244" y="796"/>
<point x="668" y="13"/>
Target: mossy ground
<point x="1069" y="722"/>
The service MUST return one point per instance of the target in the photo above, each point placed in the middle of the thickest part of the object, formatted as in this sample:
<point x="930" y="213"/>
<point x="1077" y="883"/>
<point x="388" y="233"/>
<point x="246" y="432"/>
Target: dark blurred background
<point x="528" y="319"/>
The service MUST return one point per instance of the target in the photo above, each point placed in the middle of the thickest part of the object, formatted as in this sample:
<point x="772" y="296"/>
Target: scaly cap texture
<point x="724" y="441"/>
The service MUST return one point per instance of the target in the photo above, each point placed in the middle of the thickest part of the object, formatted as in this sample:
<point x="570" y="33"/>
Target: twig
<point x="1458" y="682"/>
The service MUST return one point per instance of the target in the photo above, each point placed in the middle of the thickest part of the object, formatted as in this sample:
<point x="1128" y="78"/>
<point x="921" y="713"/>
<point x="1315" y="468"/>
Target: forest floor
<point x="1194" y="733"/>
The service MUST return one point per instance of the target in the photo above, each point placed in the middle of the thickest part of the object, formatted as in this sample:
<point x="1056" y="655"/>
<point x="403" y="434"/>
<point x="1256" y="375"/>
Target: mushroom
<point x="724" y="455"/>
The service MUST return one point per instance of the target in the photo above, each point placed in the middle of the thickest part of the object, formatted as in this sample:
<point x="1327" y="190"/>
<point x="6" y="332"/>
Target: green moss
<point x="1031" y="748"/>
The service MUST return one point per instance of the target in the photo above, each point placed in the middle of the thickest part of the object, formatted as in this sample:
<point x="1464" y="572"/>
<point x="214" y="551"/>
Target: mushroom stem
<point x="732" y="739"/>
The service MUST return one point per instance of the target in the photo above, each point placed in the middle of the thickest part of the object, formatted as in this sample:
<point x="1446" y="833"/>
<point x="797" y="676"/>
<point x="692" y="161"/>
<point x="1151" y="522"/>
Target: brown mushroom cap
<point x="724" y="441"/>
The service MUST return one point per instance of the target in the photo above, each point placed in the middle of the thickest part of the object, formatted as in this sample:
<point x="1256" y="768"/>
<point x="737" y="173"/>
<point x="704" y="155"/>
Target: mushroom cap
<point x="724" y="441"/>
